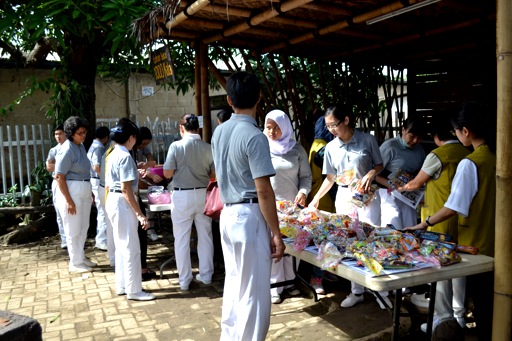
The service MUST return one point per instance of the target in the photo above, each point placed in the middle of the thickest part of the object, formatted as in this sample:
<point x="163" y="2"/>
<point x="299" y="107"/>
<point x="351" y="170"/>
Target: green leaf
<point x="76" y="14"/>
<point x="55" y="318"/>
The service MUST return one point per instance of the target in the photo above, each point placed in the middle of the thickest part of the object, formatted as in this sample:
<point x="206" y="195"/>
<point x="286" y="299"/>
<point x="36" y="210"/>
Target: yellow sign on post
<point x="162" y="65"/>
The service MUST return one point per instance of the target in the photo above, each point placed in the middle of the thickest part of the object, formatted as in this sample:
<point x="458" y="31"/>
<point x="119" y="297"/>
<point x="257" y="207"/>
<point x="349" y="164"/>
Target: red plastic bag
<point x="213" y="205"/>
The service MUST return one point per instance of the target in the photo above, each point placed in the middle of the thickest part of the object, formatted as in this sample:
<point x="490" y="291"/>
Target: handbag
<point x="213" y="205"/>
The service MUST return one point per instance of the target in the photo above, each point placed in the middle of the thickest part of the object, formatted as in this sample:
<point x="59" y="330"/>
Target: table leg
<point x="431" y="305"/>
<point x="306" y="283"/>
<point x="170" y="260"/>
<point x="396" y="314"/>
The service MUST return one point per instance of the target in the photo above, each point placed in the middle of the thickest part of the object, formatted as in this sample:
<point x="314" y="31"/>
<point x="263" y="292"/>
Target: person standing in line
<point x="473" y="198"/>
<point x="351" y="156"/>
<point x="94" y="154"/>
<point x="72" y="173"/>
<point x="223" y="115"/>
<point x="122" y="179"/>
<point x="248" y="223"/>
<point x="190" y="163"/>
<point x="60" y="137"/>
<point x="111" y="247"/>
<point x="292" y="182"/>
<point x="406" y="154"/>
<point x="437" y="173"/>
<point x="322" y="137"/>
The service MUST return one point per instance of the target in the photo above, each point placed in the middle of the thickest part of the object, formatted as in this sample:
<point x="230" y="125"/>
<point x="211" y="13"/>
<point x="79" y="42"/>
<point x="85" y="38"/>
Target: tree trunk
<point x="30" y="232"/>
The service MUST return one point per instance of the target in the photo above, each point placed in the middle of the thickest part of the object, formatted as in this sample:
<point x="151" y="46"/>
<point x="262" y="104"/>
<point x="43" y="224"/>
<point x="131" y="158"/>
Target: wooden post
<point x="205" y="95"/>
<point x="198" y="76"/>
<point x="502" y="316"/>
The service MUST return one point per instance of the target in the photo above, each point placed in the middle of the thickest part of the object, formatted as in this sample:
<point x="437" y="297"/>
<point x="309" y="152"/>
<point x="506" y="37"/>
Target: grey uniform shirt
<point x="396" y="156"/>
<point x="192" y="161"/>
<point x="293" y="174"/>
<point x="121" y="168"/>
<point x="52" y="154"/>
<point x="142" y="153"/>
<point x="241" y="154"/>
<point x="351" y="161"/>
<point x="72" y="161"/>
<point x="96" y="151"/>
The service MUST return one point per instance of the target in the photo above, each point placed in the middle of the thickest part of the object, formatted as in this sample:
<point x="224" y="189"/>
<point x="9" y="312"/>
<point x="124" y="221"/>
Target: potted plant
<point x="40" y="182"/>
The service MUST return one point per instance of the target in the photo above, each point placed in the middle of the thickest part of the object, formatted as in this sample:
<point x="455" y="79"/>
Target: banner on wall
<point x="162" y="65"/>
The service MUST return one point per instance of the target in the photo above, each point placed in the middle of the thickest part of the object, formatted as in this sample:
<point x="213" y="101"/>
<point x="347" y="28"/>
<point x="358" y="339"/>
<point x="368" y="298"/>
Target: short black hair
<point x="101" y="132"/>
<point x="243" y="89"/>
<point x="145" y="133"/>
<point x="224" y="114"/>
<point x="442" y="127"/>
<point x="123" y="130"/>
<point x="59" y="127"/>
<point x="190" y="122"/>
<point x="415" y="125"/>
<point x="340" y="111"/>
<point x="72" y="124"/>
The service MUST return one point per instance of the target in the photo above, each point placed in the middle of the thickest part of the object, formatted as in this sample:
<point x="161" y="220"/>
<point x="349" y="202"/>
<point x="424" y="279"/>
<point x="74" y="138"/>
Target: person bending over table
<point x="473" y="198"/>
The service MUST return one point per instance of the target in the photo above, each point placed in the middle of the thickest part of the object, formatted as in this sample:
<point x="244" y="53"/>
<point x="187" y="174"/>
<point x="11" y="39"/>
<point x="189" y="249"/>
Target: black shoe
<point x="148" y="276"/>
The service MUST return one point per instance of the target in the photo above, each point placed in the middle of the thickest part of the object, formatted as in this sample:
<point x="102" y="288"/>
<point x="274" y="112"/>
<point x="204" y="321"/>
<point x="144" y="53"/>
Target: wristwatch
<point x="428" y="221"/>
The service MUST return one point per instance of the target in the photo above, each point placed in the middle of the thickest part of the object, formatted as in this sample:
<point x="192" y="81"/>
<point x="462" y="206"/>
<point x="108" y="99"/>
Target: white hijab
<point x="286" y="142"/>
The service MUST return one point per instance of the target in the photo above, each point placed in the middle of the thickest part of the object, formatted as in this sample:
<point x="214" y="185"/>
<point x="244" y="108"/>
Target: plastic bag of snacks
<point x="442" y="251"/>
<point x="158" y="195"/>
<point x="359" y="197"/>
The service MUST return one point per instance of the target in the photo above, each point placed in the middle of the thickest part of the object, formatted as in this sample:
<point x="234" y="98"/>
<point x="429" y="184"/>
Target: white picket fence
<point x="23" y="146"/>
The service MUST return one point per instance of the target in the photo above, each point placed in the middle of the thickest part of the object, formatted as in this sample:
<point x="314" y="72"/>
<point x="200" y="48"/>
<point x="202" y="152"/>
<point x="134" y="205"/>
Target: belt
<point x="102" y="185"/>
<point x="187" y="189"/>
<point x="115" y="191"/>
<point x="86" y="180"/>
<point x="344" y="186"/>
<point x="94" y="177"/>
<point x="245" y="201"/>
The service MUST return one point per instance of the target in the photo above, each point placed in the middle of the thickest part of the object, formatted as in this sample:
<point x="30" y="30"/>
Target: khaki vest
<point x="438" y="190"/>
<point x="478" y="228"/>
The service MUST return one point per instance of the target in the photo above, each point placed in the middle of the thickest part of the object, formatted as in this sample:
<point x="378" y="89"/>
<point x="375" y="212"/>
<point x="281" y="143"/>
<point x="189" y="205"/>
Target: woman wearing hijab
<point x="292" y="182"/>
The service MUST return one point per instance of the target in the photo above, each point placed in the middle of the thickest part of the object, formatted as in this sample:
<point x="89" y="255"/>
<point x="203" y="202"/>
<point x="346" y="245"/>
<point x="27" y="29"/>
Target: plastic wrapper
<point x="302" y="239"/>
<point x="331" y="256"/>
<point x="359" y="197"/>
<point x="443" y="252"/>
<point x="158" y="195"/>
<point x="433" y="236"/>
<point x="345" y="177"/>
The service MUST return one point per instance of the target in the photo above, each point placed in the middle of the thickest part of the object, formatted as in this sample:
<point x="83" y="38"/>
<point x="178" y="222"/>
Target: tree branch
<point x="15" y="54"/>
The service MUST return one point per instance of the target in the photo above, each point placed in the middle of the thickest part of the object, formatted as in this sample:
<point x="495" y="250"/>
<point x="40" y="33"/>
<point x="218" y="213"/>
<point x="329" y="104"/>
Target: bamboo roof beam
<point x="338" y="26"/>
<point x="313" y="6"/>
<point x="189" y="11"/>
<point x="256" y="20"/>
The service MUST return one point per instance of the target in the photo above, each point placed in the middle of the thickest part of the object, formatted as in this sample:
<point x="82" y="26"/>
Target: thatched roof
<point x="330" y="29"/>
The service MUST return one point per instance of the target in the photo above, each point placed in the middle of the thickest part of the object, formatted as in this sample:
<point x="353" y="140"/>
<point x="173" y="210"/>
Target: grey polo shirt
<point x="354" y="159"/>
<point x="191" y="159"/>
<point x="52" y="154"/>
<point x="241" y="154"/>
<point x="94" y="154"/>
<point x="142" y="153"/>
<point x="293" y="173"/>
<point x="121" y="168"/>
<point x="72" y="161"/>
<point x="396" y="155"/>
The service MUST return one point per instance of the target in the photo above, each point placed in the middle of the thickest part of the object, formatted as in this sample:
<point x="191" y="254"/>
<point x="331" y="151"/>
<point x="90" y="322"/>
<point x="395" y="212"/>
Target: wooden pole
<point x="189" y="11"/>
<point x="502" y="316"/>
<point x="217" y="74"/>
<point x="197" y="75"/>
<point x="205" y="94"/>
<point x="284" y="101"/>
<point x="272" y="99"/>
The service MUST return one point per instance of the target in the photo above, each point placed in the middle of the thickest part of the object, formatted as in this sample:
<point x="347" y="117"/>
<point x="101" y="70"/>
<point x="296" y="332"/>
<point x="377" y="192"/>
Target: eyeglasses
<point x="82" y="133"/>
<point x="332" y="125"/>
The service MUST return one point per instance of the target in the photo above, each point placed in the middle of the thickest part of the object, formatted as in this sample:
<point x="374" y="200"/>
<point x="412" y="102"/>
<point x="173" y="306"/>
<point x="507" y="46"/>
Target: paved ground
<point x="35" y="282"/>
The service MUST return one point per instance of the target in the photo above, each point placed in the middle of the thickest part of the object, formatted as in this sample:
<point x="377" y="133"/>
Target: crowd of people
<point x="256" y="166"/>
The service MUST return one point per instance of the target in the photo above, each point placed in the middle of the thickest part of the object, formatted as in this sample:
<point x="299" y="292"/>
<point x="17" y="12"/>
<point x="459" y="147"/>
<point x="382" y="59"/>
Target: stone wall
<point x="111" y="99"/>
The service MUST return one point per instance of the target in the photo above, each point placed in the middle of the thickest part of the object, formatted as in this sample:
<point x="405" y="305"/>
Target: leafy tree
<point x="88" y="37"/>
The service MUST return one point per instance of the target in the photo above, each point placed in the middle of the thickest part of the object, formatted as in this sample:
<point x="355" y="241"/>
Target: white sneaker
<point x="405" y="291"/>
<point x="200" y="279"/>
<point x="385" y="299"/>
<point x="141" y="296"/>
<point x="420" y="300"/>
<point x="152" y="235"/>
<point x="79" y="268"/>
<point x="316" y="283"/>
<point x="89" y="263"/>
<point x="101" y="246"/>
<point x="275" y="299"/>
<point x="352" y="300"/>
<point x="120" y="292"/>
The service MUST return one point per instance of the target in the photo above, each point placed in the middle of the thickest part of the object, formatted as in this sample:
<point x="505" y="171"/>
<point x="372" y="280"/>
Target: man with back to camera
<point x="249" y="225"/>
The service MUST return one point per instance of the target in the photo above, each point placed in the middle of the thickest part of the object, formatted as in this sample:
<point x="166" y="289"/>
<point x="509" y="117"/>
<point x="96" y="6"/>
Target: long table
<point x="470" y="265"/>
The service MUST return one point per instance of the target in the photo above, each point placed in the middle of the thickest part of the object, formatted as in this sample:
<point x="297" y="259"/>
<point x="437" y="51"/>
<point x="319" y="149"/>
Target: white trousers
<point x="111" y="248"/>
<point x="101" y="225"/>
<point x="394" y="211"/>
<point x="76" y="225"/>
<point x="124" y="223"/>
<point x="369" y="214"/>
<point x="188" y="207"/>
<point x="450" y="296"/>
<point x="245" y="240"/>
<point x="281" y="271"/>
<point x="55" y="189"/>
